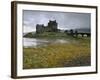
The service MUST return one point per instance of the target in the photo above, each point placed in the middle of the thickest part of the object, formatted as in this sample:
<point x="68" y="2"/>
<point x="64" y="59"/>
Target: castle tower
<point x="52" y="25"/>
<point x="39" y="28"/>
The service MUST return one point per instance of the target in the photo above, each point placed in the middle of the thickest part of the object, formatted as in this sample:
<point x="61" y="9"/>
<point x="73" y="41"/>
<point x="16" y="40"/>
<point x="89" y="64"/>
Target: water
<point x="35" y="42"/>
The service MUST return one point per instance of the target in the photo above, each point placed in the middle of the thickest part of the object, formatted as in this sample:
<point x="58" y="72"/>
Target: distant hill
<point x="84" y="30"/>
<point x="30" y="34"/>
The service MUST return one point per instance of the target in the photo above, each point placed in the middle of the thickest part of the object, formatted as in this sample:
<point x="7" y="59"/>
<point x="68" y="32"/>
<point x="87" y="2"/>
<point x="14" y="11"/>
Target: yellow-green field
<point x="58" y="55"/>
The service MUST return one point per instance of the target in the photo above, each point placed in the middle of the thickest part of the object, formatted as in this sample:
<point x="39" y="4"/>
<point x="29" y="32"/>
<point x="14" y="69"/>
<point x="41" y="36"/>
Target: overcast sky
<point x="65" y="20"/>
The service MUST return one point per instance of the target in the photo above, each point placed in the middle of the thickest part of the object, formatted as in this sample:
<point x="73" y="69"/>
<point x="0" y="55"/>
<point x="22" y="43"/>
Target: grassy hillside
<point x="47" y="35"/>
<point x="58" y="55"/>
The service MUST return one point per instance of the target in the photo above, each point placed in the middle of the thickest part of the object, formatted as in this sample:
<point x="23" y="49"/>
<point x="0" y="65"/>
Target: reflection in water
<point x="34" y="42"/>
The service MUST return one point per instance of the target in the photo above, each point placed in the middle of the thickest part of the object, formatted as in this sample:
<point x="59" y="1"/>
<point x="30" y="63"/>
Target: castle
<point x="51" y="27"/>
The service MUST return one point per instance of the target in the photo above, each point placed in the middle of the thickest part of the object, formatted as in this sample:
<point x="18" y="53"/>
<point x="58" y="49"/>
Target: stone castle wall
<point x="51" y="27"/>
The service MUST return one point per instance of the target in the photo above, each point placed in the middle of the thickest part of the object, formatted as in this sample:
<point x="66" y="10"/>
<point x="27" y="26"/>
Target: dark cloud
<point x="66" y="20"/>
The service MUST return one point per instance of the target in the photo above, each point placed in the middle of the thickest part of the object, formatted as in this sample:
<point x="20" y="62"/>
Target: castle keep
<point x="51" y="27"/>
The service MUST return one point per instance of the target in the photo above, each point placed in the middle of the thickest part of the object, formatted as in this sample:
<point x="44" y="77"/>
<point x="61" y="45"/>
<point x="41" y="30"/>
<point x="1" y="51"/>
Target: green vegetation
<point x="29" y="35"/>
<point x="46" y="35"/>
<point x="58" y="55"/>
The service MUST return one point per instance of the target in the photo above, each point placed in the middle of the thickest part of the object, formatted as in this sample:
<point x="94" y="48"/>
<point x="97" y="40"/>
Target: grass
<point x="47" y="35"/>
<point x="58" y="55"/>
